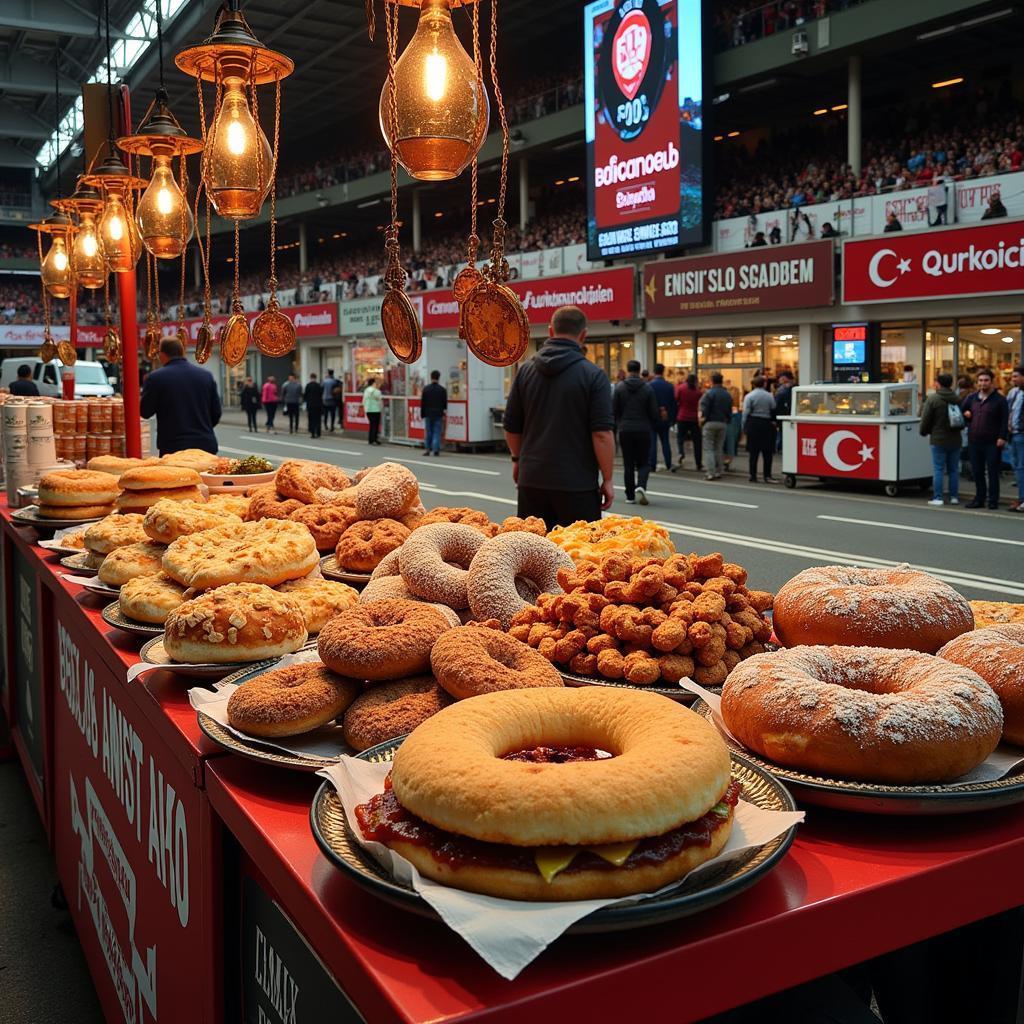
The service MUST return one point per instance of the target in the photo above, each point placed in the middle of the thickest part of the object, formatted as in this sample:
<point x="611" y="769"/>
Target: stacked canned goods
<point x="86" y="427"/>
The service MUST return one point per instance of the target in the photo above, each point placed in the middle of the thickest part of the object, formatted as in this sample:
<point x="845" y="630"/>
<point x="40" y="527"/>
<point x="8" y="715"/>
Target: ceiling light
<point x="575" y="177"/>
<point x="732" y="135"/>
<point x="785" y="337"/>
<point x="990" y="330"/>
<point x="948" y="81"/>
<point x="718" y="138"/>
<point x="840" y="106"/>
<point x="820" y="111"/>
<point x="677" y="342"/>
<point x="627" y="344"/>
<point x="730" y="344"/>
<point x="561" y="181"/>
<point x="1008" y="340"/>
<point x="950" y="337"/>
<point x="439" y="214"/>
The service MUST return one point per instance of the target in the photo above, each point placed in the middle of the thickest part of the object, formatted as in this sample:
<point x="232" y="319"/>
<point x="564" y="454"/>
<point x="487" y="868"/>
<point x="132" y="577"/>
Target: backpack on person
<point x="956" y="416"/>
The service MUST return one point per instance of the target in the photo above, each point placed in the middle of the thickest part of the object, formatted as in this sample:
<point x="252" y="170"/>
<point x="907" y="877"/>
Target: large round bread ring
<point x="491" y="584"/>
<point x="472" y="660"/>
<point x="435" y="559"/>
<point x="863" y="713"/>
<point x="382" y="639"/>
<point x="392" y="588"/>
<point x="669" y="767"/>
<point x="899" y="608"/>
<point x="388" y="565"/>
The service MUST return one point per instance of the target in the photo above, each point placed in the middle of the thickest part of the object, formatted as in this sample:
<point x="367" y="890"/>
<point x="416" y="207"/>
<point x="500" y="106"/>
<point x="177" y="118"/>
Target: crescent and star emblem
<point x="830" y="451"/>
<point x="875" y="264"/>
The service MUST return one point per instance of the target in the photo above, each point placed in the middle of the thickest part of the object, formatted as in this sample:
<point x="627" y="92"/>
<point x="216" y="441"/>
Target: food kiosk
<point x="855" y="432"/>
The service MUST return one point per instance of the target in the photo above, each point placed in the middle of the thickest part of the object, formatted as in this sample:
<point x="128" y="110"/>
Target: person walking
<point x="987" y="414"/>
<point x="249" y="396"/>
<point x="330" y="400"/>
<point x="269" y="397"/>
<point x="715" y="413"/>
<point x="24" y="385"/>
<point x="666" y="397"/>
<point x="942" y="422"/>
<point x="184" y="399"/>
<point x="783" y="401"/>
<point x="636" y="413"/>
<point x="373" y="405"/>
<point x="759" y="425"/>
<point x="433" y="412"/>
<point x="291" y="395"/>
<point x="688" y="395"/>
<point x="559" y="428"/>
<point x="1015" y="402"/>
<point x="314" y="396"/>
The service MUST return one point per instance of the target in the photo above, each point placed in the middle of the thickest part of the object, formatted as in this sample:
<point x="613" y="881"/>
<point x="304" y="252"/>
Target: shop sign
<point x="824" y="449"/>
<point x="766" y="278"/>
<point x="319" y="320"/>
<point x="27" y="658"/>
<point x="455" y="425"/>
<point x="353" y="415"/>
<point x="361" y="316"/>
<point x="602" y="295"/>
<point x="126" y="838"/>
<point x="984" y="259"/>
<point x="283" y="980"/>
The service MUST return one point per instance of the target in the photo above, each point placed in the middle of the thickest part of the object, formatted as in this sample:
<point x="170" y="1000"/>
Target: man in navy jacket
<point x="184" y="399"/>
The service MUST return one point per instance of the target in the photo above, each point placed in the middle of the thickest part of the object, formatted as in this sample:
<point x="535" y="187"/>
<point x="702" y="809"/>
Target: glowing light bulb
<point x="87" y="256"/>
<point x="163" y="217"/>
<point x="56" y="269"/>
<point x="442" y="109"/>
<point x="120" y="241"/>
<point x="238" y="164"/>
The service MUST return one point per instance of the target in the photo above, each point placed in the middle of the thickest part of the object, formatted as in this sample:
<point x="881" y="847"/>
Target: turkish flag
<point x="831" y="449"/>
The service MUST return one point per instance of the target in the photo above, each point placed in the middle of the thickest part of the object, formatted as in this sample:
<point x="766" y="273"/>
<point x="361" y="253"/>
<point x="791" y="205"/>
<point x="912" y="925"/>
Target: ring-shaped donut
<point x="392" y="709"/>
<point x="435" y="560"/>
<point x="472" y="660"/>
<point x="381" y="639"/>
<point x="669" y="766"/>
<point x="491" y="584"/>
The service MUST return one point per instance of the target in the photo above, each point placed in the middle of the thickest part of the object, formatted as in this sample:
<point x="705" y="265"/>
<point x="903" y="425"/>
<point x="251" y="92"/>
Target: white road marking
<point x="923" y="529"/>
<point x="693" y="497"/>
<point x="467" y="494"/>
<point x="827" y="556"/>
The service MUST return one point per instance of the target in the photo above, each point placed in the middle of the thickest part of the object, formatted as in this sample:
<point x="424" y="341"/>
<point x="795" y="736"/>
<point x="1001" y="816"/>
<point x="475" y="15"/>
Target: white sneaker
<point x="631" y="501"/>
<point x="954" y="501"/>
<point x="939" y="501"/>
<point x="641" y="496"/>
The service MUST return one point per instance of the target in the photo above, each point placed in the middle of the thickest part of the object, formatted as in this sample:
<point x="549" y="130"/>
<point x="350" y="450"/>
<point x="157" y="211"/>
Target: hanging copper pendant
<point x="151" y="342"/>
<point x="48" y="349"/>
<point x="112" y="345"/>
<point x="494" y="325"/>
<point x="401" y="326"/>
<point x="234" y="339"/>
<point x="272" y="332"/>
<point x="204" y="342"/>
<point x="66" y="352"/>
<point x="465" y="281"/>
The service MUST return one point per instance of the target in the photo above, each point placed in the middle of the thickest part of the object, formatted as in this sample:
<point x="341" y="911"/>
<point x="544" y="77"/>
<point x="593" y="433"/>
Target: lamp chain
<point x="42" y="286"/>
<point x="160" y="40"/>
<point x="273" y="190"/>
<point x="499" y="265"/>
<point x="474" y="238"/>
<point x="394" y="277"/>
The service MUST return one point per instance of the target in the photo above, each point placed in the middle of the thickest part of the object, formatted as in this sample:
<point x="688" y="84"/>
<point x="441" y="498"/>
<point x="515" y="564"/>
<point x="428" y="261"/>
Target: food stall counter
<point x="844" y="875"/>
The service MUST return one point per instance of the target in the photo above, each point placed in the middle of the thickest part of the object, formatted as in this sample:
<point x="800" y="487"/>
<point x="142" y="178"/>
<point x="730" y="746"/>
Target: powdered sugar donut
<point x="996" y="653"/>
<point x="388" y="565"/>
<point x="387" y="491"/>
<point x="863" y="713"/>
<point x="435" y="560"/>
<point x="393" y="588"/>
<point x="491" y="584"/>
<point x="899" y="608"/>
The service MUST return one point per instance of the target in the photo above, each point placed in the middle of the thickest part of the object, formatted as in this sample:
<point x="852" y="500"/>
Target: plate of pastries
<point x="884" y="697"/>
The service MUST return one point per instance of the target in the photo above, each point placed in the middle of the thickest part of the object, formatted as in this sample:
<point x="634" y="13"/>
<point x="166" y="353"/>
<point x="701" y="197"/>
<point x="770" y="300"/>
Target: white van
<point x="90" y="378"/>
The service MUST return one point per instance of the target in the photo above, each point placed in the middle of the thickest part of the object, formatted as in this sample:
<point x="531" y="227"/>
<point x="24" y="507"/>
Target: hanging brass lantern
<point x="118" y="234"/>
<point x="87" y="261"/>
<point x="55" y="269"/>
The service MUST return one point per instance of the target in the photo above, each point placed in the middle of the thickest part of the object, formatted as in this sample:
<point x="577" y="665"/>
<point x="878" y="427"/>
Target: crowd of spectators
<point x="741" y="21"/>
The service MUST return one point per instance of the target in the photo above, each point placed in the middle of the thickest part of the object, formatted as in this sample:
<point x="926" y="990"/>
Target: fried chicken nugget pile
<point x="649" y="620"/>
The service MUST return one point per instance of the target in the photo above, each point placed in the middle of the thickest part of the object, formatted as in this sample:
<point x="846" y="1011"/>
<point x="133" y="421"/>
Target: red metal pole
<point x="129" y="363"/>
<point x="73" y="317"/>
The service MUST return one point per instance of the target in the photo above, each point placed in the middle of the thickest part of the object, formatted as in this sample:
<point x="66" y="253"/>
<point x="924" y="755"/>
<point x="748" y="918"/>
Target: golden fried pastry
<point x="318" y="599"/>
<point x="116" y="531"/>
<point x="392" y="709"/>
<point x="364" y="544"/>
<point x="996" y="613"/>
<point x="75" y="539"/>
<point x="143" y="501"/>
<point x="128" y="562"/>
<point x="466" y="516"/>
<point x="115" y="464"/>
<point x="266" y="503"/>
<point x="325" y="522"/>
<point x="192" y="458"/>
<point x="236" y="504"/>
<point x="150" y="598"/>
<point x="631" y="536"/>
<point x="299" y="479"/>
<point x="531" y="524"/>
<point x="236" y="622"/>
<point x="269" y="551"/>
<point x="158" y="478"/>
<point x="385" y="491"/>
<point x="70" y="512"/>
<point x="91" y="559"/>
<point x="77" y="488"/>
<point x="168" y="520"/>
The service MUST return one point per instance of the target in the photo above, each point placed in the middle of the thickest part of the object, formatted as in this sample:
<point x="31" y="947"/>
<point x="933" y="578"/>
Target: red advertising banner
<point x="825" y="449"/>
<point x="769" y="277"/>
<point x="316" y="321"/>
<point x="353" y="416"/>
<point x="980" y="259"/>
<point x="601" y="294"/>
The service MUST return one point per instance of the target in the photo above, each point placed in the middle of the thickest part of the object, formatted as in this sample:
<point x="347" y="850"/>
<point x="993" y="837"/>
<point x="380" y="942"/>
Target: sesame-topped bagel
<point x="491" y="584"/>
<point x="435" y="560"/>
<point x="863" y="713"/>
<point x="668" y="767"/>
<point x="899" y="608"/>
<point x="382" y="639"/>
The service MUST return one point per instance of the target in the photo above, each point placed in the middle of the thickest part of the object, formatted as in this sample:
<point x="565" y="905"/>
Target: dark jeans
<point x="945" y="462"/>
<point x="432" y="433"/>
<point x="690" y="429"/>
<point x="374" y="418"/>
<point x="330" y="408"/>
<point x="661" y="432"/>
<point x="250" y="415"/>
<point x="635" y="459"/>
<point x="559" y="508"/>
<point x="985" y="458"/>
<point x="313" y="412"/>
<point x="271" y="408"/>
<point x="760" y="441"/>
<point x="292" y="408"/>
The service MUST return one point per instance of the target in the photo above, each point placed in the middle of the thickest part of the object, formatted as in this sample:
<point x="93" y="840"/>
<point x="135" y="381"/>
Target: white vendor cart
<point x="855" y="432"/>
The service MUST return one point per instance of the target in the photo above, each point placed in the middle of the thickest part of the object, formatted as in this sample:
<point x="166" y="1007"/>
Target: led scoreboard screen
<point x="644" y="82"/>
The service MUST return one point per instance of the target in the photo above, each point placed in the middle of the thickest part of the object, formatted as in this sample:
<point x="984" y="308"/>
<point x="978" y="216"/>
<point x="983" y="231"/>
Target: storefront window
<point x="731" y="350"/>
<point x="368" y="360"/>
<point x="610" y="354"/>
<point x="675" y="351"/>
<point x="992" y="345"/>
<point x="902" y="353"/>
<point x="939" y="341"/>
<point x="782" y="351"/>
